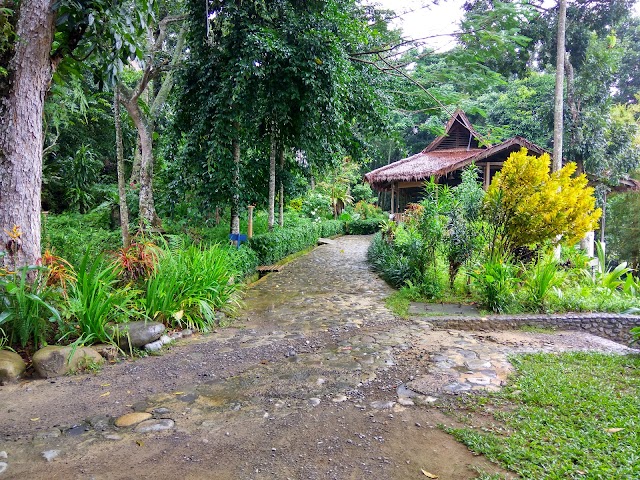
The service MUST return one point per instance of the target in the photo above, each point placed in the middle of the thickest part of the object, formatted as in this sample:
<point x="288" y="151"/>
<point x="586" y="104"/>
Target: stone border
<point x="613" y="326"/>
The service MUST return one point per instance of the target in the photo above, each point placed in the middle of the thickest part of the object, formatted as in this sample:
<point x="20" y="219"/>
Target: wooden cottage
<point x="443" y="160"/>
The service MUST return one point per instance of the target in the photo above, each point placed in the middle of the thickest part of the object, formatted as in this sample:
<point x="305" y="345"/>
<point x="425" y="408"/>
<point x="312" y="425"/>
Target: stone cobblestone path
<point x="315" y="379"/>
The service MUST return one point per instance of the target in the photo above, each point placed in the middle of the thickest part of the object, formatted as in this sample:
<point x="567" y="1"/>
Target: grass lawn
<point x="566" y="416"/>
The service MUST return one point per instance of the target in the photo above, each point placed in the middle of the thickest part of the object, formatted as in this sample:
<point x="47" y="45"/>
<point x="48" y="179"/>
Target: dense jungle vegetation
<point x="157" y="124"/>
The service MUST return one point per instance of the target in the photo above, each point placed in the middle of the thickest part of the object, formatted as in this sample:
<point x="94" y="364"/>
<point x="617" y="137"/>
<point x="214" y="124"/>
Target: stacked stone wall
<point x="608" y="325"/>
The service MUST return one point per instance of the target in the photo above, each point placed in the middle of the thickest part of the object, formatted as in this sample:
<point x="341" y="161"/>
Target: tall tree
<point x="29" y="63"/>
<point x="558" y="113"/>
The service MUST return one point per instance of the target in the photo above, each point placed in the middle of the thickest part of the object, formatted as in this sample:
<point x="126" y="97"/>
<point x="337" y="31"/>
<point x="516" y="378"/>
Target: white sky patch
<point x="420" y="18"/>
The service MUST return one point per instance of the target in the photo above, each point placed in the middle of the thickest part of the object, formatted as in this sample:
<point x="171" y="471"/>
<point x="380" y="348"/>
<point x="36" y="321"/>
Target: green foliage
<point x="363" y="227"/>
<point x="368" y="211"/>
<point x="362" y="192"/>
<point x="273" y="246"/>
<point x="393" y="265"/>
<point x="607" y="277"/>
<point x="317" y="206"/>
<point x="189" y="284"/>
<point x="528" y="205"/>
<point x="27" y="307"/>
<point x="494" y="282"/>
<point x="539" y="280"/>
<point x="623" y="227"/>
<point x="564" y="414"/>
<point x="96" y="299"/>
<point x="69" y="235"/>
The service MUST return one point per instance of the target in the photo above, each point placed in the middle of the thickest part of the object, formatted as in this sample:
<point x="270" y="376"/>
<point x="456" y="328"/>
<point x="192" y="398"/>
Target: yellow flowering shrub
<point x="534" y="205"/>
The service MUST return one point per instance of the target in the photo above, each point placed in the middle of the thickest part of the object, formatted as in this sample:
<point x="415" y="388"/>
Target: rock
<point x="405" y="402"/>
<point x="132" y="418"/>
<point x="165" y="339"/>
<point x="314" y="402"/>
<point x="3" y="454"/>
<point x="53" y="433"/>
<point x="150" y="426"/>
<point x="187" y="332"/>
<point x="112" y="436"/>
<point x="136" y="334"/>
<point x="153" y="346"/>
<point x="109" y="352"/>
<point x="3" y="467"/>
<point x="54" y="361"/>
<point x="381" y="405"/>
<point x="161" y="411"/>
<point x="49" y="455"/>
<point x="339" y="398"/>
<point x="11" y="366"/>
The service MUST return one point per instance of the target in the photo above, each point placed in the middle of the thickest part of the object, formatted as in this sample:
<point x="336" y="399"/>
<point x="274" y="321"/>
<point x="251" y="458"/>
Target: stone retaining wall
<point x="608" y="325"/>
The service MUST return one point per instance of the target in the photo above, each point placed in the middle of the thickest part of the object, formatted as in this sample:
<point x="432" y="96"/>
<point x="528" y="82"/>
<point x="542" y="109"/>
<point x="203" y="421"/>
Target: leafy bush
<point x="331" y="228"/>
<point x="27" y="308"/>
<point x="189" y="284"/>
<point x="317" y="206"/>
<point x="528" y="205"/>
<point x="70" y="235"/>
<point x="96" y="299"/>
<point x="277" y="244"/>
<point x="539" y="281"/>
<point x="393" y="265"/>
<point x="362" y="193"/>
<point x="363" y="227"/>
<point x="244" y="260"/>
<point x="494" y="282"/>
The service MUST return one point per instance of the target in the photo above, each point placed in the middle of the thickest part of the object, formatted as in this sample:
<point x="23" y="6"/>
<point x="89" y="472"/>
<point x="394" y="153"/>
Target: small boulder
<point x="136" y="334"/>
<point x="11" y="366"/>
<point x="132" y="418"/>
<point x="53" y="361"/>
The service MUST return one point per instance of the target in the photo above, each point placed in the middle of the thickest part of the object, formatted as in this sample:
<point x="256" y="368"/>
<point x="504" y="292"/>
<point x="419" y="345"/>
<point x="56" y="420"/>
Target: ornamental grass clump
<point x="188" y="285"/>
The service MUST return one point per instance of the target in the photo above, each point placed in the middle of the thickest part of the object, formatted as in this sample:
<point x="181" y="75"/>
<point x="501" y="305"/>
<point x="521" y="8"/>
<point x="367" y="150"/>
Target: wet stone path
<point x="315" y="379"/>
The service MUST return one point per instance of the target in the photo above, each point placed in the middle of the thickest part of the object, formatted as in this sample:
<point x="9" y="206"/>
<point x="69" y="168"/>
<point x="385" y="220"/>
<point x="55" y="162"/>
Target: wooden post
<point x="487" y="175"/>
<point x="217" y="216"/>
<point x="250" y="222"/>
<point x="392" y="199"/>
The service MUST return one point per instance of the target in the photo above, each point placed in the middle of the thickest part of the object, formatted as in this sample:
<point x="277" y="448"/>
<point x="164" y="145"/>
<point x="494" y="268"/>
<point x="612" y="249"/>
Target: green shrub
<point x="363" y="227"/>
<point x="274" y="246"/>
<point x="391" y="263"/>
<point x="70" y="235"/>
<point x="331" y="228"/>
<point x="539" y="281"/>
<point x="494" y="282"/>
<point x="26" y="308"/>
<point x="244" y="260"/>
<point x="362" y="192"/>
<point x="96" y="299"/>
<point x="189" y="284"/>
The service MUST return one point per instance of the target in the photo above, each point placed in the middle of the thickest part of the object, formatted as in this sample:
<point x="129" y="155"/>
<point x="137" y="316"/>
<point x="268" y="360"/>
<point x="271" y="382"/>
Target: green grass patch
<point x="572" y="415"/>
<point x="398" y="302"/>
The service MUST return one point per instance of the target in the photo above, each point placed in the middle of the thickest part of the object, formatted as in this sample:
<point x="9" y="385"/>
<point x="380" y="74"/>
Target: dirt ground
<point x="315" y="379"/>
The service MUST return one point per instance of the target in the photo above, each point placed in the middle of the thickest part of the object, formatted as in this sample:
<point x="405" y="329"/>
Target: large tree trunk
<point x="272" y="181"/>
<point x="122" y="188"/>
<point x="235" y="196"/>
<point x="21" y="139"/>
<point x="558" y="129"/>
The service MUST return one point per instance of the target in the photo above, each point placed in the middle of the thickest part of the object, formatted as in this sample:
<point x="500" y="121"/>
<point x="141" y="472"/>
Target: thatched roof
<point x="458" y="147"/>
<point x="422" y="165"/>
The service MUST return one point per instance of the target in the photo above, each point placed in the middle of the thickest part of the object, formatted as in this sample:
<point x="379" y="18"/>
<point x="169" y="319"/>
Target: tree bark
<point x="235" y="185"/>
<point x="281" y="193"/>
<point x="272" y="181"/>
<point x="148" y="215"/>
<point x="122" y="187"/>
<point x="558" y="129"/>
<point x="21" y="139"/>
